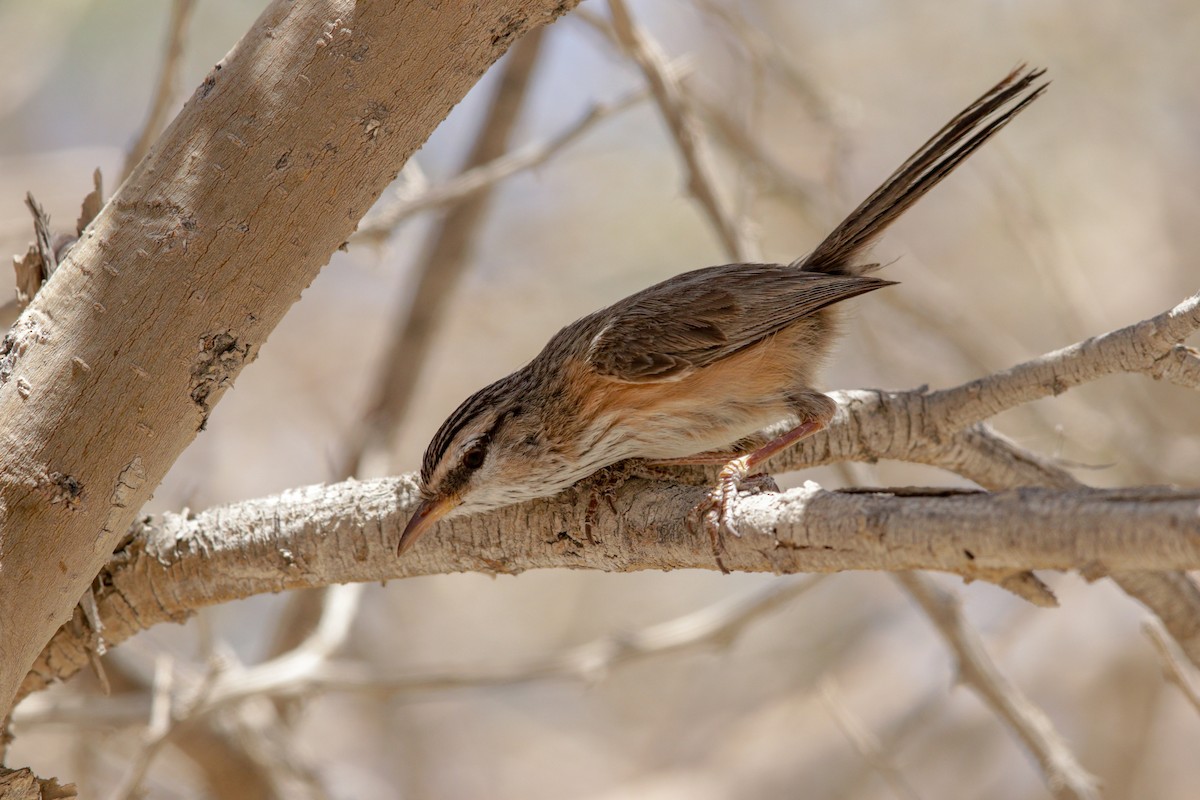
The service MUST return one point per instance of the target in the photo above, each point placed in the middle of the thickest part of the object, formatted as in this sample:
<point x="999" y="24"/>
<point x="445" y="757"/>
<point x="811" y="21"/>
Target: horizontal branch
<point x="347" y="532"/>
<point x="941" y="428"/>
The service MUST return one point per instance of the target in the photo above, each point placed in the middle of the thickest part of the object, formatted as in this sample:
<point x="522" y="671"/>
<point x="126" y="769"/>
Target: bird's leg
<point x="718" y="509"/>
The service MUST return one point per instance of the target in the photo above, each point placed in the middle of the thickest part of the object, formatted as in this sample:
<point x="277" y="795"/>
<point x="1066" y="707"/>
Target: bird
<point x="686" y="370"/>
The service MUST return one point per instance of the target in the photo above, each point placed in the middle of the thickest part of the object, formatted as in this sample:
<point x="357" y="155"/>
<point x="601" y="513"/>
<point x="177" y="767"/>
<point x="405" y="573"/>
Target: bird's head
<point x="489" y="453"/>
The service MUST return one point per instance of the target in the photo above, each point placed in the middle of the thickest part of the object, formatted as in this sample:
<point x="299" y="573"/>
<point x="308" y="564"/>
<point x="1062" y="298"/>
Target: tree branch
<point x="686" y="132"/>
<point x="1065" y="777"/>
<point x="1136" y="348"/>
<point x="284" y="542"/>
<point x="384" y="222"/>
<point x="117" y="363"/>
<point x="347" y="532"/>
<point x="938" y="428"/>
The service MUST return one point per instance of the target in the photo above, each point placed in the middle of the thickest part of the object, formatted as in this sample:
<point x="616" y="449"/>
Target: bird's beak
<point x="429" y="512"/>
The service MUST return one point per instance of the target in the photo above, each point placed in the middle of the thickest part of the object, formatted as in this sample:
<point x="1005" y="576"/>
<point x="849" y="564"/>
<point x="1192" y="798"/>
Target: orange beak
<point x="429" y="512"/>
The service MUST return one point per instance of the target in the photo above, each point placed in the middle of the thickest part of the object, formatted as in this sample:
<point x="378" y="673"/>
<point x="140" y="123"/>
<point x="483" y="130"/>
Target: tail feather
<point x="924" y="169"/>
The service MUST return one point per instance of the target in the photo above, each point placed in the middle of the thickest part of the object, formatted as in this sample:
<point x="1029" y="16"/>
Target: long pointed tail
<point x="937" y="158"/>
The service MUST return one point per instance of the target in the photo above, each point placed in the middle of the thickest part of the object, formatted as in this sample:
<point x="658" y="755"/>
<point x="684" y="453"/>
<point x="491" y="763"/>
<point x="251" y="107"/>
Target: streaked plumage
<point x="689" y="365"/>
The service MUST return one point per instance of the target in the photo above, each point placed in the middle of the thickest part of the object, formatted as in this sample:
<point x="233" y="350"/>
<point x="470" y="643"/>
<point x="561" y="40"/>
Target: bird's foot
<point x="717" y="511"/>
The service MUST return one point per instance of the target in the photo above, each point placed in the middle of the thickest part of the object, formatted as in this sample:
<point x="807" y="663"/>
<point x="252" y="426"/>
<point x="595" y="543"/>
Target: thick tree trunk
<point x="118" y="362"/>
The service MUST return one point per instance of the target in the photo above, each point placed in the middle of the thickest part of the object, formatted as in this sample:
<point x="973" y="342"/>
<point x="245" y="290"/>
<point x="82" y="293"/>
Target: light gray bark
<point x="118" y="361"/>
<point x="347" y="532"/>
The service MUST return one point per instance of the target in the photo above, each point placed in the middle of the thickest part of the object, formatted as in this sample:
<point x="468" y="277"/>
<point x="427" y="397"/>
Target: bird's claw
<point x="717" y="511"/>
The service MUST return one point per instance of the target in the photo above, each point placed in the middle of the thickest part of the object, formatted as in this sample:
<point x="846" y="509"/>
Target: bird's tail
<point x="839" y="254"/>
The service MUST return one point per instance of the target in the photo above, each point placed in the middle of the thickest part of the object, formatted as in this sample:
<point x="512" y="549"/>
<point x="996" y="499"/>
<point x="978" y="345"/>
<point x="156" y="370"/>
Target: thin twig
<point x="1135" y="348"/>
<point x="156" y="731"/>
<point x="681" y="122"/>
<point x="865" y="742"/>
<point x="164" y="90"/>
<point x="763" y="50"/>
<point x="310" y="672"/>
<point x="1064" y="776"/>
<point x="383" y="223"/>
<point x="716" y="626"/>
<point x="337" y="616"/>
<point x="338" y="613"/>
<point x="763" y="166"/>
<point x="1175" y="664"/>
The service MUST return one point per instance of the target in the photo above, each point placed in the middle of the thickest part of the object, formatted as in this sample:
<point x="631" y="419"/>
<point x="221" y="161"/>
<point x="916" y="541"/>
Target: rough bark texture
<point x="118" y="362"/>
<point x="22" y="784"/>
<point x="347" y="532"/>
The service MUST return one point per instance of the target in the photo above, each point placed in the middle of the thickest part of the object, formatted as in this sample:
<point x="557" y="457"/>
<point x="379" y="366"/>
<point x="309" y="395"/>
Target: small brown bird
<point x="682" y="371"/>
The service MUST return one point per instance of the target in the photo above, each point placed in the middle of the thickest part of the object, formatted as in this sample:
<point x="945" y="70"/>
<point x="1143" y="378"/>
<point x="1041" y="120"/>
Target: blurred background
<point x="1079" y="218"/>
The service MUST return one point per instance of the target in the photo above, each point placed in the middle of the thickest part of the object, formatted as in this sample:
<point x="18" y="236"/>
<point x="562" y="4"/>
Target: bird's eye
<point x="473" y="458"/>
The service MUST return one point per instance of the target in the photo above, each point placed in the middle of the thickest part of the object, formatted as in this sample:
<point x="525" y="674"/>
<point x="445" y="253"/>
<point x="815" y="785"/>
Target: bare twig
<point x="1175" y="664"/>
<point x="156" y="731"/>
<point x="681" y="122"/>
<point x="761" y="164"/>
<point x="717" y="625"/>
<point x="217" y="751"/>
<point x="1136" y="348"/>
<point x="383" y="223"/>
<point x="762" y="50"/>
<point x="865" y="742"/>
<point x="337" y="616"/>
<point x="164" y="90"/>
<point x="1063" y="774"/>
<point x="225" y="685"/>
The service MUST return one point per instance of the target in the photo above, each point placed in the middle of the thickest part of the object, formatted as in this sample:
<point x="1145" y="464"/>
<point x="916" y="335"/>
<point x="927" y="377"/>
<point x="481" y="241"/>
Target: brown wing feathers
<point x="691" y="320"/>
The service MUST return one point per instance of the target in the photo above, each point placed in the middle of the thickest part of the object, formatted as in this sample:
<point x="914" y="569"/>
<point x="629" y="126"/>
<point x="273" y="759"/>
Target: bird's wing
<point x="665" y="332"/>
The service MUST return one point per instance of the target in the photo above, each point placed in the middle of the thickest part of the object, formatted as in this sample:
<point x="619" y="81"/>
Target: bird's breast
<point x="708" y="409"/>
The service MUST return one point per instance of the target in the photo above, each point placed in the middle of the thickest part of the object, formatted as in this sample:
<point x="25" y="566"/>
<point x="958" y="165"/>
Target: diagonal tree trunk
<point x="117" y="363"/>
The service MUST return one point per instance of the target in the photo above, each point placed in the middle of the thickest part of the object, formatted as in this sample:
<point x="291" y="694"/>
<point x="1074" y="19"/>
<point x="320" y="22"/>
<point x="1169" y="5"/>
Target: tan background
<point x="1079" y="218"/>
